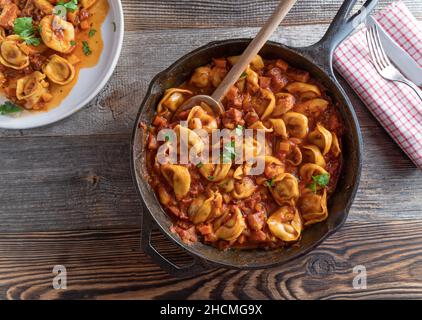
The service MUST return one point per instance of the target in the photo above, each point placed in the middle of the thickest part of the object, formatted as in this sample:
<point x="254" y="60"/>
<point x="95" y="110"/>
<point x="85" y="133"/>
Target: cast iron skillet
<point x="317" y="59"/>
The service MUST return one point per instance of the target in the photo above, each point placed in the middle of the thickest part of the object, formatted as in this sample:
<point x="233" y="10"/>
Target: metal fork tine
<point x="377" y="53"/>
<point x="380" y="47"/>
<point x="371" y="49"/>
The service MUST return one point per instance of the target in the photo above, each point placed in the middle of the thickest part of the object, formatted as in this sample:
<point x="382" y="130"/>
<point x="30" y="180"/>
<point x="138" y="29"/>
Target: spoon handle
<point x="252" y="50"/>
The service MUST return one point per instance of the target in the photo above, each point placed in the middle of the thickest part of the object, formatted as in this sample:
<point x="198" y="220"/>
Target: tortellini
<point x="295" y="157"/>
<point x="335" y="147"/>
<point x="200" y="119"/>
<point x="88" y="3"/>
<point x="312" y="154"/>
<point x="243" y="188"/>
<point x="230" y="226"/>
<point x="173" y="99"/>
<point x="12" y="54"/>
<point x="201" y="77"/>
<point x="59" y="70"/>
<point x="265" y="104"/>
<point x="313" y="106"/>
<point x="178" y="177"/>
<point x="215" y="172"/>
<point x="60" y="41"/>
<point x="313" y="207"/>
<point x="308" y="170"/>
<point x="204" y="208"/>
<point x="284" y="103"/>
<point x="285" y="224"/>
<point x="189" y="139"/>
<point x="44" y="5"/>
<point x="32" y="88"/>
<point x="296" y="124"/>
<point x="322" y="138"/>
<point x="302" y="87"/>
<point x="279" y="128"/>
<point x="285" y="189"/>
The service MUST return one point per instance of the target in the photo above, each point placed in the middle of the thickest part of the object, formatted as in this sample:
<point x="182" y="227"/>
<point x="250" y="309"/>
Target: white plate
<point x="90" y="82"/>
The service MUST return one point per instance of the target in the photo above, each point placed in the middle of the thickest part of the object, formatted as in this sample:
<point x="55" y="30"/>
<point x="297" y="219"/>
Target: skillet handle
<point x="196" y="267"/>
<point x="341" y="27"/>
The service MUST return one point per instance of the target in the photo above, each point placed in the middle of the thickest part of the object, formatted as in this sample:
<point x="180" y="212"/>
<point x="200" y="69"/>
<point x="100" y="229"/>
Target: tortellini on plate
<point x="59" y="70"/>
<point x="62" y="41"/>
<point x="12" y="53"/>
<point x="32" y="88"/>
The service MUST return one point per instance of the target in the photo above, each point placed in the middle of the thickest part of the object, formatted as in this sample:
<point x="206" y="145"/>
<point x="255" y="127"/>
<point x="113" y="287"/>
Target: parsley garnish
<point x="229" y="153"/>
<point x="239" y="130"/>
<point x="210" y="177"/>
<point x="24" y="28"/>
<point x="86" y="48"/>
<point x="321" y="180"/>
<point x="71" y="5"/>
<point x="269" y="183"/>
<point x="9" y="107"/>
<point x="243" y="75"/>
<point x="92" y="33"/>
<point x="199" y="165"/>
<point x="73" y="43"/>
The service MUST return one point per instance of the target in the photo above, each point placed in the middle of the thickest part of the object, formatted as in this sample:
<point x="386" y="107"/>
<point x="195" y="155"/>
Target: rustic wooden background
<point x="66" y="194"/>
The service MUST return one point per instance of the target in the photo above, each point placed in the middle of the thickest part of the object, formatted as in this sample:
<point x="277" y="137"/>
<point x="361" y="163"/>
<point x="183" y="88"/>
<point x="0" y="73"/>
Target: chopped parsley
<point x="73" y="43"/>
<point x="24" y="28"/>
<point x="92" y="33"/>
<point x="269" y="183"/>
<point x="229" y="153"/>
<point x="71" y="5"/>
<point x="211" y="178"/>
<point x="321" y="180"/>
<point x="199" y="165"/>
<point x="243" y="75"/>
<point x="239" y="130"/>
<point x="86" y="49"/>
<point x="8" y="108"/>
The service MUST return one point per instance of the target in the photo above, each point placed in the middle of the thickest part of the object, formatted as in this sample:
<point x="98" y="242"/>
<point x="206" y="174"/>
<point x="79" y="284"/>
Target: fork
<point x="383" y="64"/>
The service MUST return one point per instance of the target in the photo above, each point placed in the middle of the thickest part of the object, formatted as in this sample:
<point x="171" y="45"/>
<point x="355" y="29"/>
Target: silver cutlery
<point x="382" y="63"/>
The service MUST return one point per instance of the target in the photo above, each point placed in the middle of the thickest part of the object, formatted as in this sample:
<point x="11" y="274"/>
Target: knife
<point x="400" y="58"/>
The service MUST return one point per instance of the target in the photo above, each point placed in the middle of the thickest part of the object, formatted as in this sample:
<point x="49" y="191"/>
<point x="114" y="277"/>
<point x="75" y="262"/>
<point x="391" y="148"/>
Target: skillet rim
<point x="198" y="256"/>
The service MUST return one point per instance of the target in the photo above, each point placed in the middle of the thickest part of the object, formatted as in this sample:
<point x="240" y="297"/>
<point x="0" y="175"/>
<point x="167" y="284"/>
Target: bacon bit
<point x="251" y="117"/>
<point x="282" y="65"/>
<point x="205" y="229"/>
<point x="160" y="122"/>
<point x="188" y="236"/>
<point x="298" y="75"/>
<point x="278" y="80"/>
<point x="83" y="14"/>
<point x="256" y="220"/>
<point x="234" y="98"/>
<point x="8" y="15"/>
<point x="232" y="117"/>
<point x="264" y="82"/>
<point x="220" y="63"/>
<point x="258" y="236"/>
<point x="247" y="105"/>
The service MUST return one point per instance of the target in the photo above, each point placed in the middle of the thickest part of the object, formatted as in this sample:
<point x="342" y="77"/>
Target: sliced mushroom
<point x="312" y="154"/>
<point x="59" y="70"/>
<point x="296" y="124"/>
<point x="243" y="188"/>
<point x="285" y="224"/>
<point x="11" y="53"/>
<point x="205" y="208"/>
<point x="322" y="138"/>
<point x="285" y="189"/>
<point x="302" y="87"/>
<point x="32" y="88"/>
<point x="230" y="226"/>
<point x="57" y="33"/>
<point x="313" y="207"/>
<point x="178" y="177"/>
<point x="173" y="98"/>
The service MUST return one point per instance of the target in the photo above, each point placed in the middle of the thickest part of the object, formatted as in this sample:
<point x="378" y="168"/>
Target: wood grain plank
<point x="78" y="182"/>
<point x="108" y="264"/>
<point x="167" y="14"/>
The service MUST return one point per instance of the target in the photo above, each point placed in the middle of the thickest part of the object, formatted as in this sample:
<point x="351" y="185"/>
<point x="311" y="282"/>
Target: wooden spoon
<point x="214" y="101"/>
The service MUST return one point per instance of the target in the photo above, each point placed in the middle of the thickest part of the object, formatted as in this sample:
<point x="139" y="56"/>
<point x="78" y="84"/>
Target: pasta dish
<point x="277" y="117"/>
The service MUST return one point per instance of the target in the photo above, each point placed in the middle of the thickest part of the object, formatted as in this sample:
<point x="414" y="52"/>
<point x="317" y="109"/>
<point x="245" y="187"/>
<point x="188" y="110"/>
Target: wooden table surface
<point x="67" y="198"/>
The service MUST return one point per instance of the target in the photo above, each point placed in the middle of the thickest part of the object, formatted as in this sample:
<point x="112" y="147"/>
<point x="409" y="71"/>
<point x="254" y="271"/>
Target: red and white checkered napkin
<point x="393" y="104"/>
